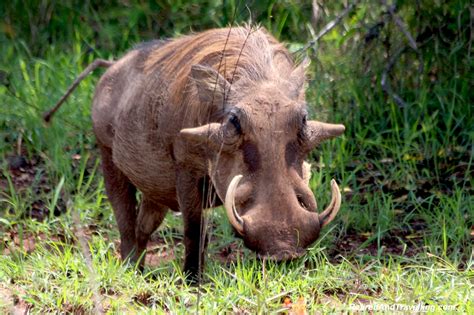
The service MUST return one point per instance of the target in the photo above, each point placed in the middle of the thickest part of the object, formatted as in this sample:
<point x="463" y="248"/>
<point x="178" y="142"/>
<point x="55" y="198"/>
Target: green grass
<point x="403" y="235"/>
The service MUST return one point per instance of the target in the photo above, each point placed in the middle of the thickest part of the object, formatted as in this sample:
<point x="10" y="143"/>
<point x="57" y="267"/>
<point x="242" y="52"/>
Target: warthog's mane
<point x="244" y="56"/>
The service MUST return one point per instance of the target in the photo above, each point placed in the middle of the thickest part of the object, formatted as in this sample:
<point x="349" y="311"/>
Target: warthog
<point x="205" y="118"/>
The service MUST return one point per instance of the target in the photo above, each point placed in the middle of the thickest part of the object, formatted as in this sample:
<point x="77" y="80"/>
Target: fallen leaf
<point x="299" y="308"/>
<point x="287" y="302"/>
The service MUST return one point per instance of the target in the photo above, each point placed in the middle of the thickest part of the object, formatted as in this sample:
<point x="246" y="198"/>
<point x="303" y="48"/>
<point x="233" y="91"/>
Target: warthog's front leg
<point x="191" y="205"/>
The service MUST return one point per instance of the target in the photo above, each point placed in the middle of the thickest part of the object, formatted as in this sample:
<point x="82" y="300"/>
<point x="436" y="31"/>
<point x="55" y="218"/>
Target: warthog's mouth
<point x="283" y="255"/>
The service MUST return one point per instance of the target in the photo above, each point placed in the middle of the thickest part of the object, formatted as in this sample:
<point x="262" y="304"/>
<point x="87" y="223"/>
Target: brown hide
<point x="184" y="119"/>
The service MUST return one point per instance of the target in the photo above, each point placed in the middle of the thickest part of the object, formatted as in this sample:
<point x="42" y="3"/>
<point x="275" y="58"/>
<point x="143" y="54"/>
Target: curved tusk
<point x="229" y="204"/>
<point x="330" y="212"/>
<point x="306" y="172"/>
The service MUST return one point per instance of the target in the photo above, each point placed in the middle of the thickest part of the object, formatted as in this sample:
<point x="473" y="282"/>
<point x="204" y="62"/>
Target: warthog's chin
<point x="282" y="255"/>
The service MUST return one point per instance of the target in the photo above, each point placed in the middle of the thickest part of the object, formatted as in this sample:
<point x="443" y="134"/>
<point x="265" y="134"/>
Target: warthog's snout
<point x="280" y="227"/>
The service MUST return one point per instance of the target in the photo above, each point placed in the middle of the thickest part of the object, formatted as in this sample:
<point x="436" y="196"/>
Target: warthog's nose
<point x="283" y="255"/>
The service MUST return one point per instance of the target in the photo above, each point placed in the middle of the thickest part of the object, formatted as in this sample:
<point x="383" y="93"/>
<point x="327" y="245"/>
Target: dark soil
<point x="406" y="242"/>
<point x="28" y="176"/>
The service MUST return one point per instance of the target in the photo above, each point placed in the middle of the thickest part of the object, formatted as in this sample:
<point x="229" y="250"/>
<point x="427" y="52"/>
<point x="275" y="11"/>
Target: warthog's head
<point x="257" y="165"/>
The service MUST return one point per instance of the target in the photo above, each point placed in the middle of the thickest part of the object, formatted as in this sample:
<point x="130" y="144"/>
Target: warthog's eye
<point x="302" y="127"/>
<point x="301" y="202"/>
<point x="232" y="131"/>
<point x="305" y="119"/>
<point x="234" y="120"/>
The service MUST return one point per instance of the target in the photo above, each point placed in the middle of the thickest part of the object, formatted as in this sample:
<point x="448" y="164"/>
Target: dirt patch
<point x="25" y="241"/>
<point x="406" y="242"/>
<point x="68" y="308"/>
<point x="159" y="252"/>
<point x="28" y="177"/>
<point x="441" y="173"/>
<point x="229" y="253"/>
<point x="144" y="298"/>
<point x="11" y="303"/>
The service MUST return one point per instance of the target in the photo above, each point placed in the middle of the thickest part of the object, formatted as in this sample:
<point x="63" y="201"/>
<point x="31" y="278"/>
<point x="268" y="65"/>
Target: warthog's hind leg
<point x="149" y="218"/>
<point x="122" y="196"/>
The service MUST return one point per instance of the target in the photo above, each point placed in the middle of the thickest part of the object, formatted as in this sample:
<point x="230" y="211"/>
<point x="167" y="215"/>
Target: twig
<point x="19" y="142"/>
<point x="328" y="27"/>
<point x="316" y="12"/>
<point x="391" y="63"/>
<point x="385" y="83"/>
<point x="97" y="63"/>
<point x="401" y="25"/>
<point x="210" y="200"/>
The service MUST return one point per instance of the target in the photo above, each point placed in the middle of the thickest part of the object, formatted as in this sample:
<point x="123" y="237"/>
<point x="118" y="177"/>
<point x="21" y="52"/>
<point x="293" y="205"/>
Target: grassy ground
<point x="403" y="236"/>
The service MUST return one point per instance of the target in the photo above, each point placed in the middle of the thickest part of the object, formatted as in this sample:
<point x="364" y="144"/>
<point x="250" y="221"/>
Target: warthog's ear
<point x="211" y="86"/>
<point x="210" y="134"/>
<point x="316" y="132"/>
<point x="298" y="79"/>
